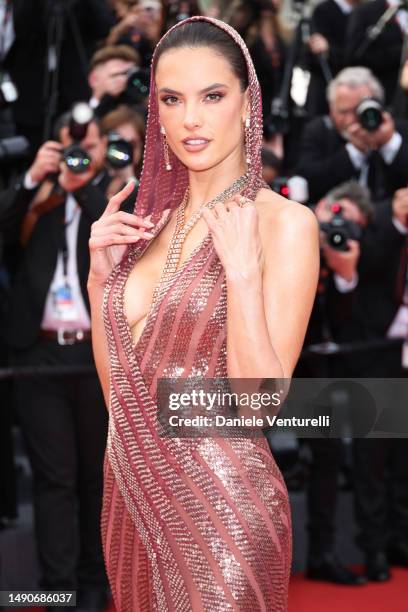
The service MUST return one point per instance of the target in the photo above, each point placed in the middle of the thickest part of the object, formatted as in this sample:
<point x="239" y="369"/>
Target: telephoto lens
<point x="370" y="114"/>
<point x="75" y="157"/>
<point x="119" y="152"/>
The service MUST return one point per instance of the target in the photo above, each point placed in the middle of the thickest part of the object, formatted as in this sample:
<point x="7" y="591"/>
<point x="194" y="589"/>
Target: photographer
<point x="353" y="141"/>
<point x="125" y="130"/>
<point x="374" y="308"/>
<point x="332" y="321"/>
<point x="108" y="76"/>
<point x="139" y="26"/>
<point x="380" y="465"/>
<point x="63" y="418"/>
<point x="343" y="213"/>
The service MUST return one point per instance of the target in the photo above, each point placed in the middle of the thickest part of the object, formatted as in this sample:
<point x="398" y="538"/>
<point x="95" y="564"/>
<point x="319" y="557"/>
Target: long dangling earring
<point x="248" y="140"/>
<point x="165" y="149"/>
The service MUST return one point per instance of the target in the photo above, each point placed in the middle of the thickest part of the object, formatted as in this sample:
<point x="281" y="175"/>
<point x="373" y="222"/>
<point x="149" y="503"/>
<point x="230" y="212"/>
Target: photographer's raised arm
<point x="15" y="201"/>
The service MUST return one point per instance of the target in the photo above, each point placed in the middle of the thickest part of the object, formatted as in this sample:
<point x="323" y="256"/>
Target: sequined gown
<point x="188" y="524"/>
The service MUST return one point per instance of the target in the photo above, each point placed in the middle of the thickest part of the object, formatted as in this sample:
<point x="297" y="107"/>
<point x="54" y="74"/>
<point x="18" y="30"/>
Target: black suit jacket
<point x="381" y="262"/>
<point x="383" y="55"/>
<point x="366" y="313"/>
<point x="26" y="60"/>
<point x="329" y="21"/>
<point x="39" y="259"/>
<point x="325" y="163"/>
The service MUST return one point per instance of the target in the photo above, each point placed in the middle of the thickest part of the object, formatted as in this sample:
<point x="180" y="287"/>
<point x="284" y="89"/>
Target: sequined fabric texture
<point x="187" y="524"/>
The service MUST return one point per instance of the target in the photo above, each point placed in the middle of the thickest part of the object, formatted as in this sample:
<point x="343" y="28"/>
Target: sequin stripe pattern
<point x="253" y="583"/>
<point x="201" y="349"/>
<point x="223" y="555"/>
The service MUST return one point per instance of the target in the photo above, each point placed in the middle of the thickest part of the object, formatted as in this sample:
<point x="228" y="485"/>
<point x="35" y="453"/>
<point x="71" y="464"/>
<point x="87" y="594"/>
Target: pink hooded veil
<point x="160" y="188"/>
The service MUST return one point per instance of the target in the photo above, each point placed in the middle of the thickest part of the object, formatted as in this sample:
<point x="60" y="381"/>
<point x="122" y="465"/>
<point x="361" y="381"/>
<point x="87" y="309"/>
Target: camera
<point x="119" y="152"/>
<point x="338" y="230"/>
<point x="138" y="84"/>
<point x="370" y="114"/>
<point x="75" y="157"/>
<point x="294" y="187"/>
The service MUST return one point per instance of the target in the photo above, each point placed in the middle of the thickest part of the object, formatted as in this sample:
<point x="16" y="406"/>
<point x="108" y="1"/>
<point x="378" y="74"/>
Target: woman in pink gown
<point x="199" y="524"/>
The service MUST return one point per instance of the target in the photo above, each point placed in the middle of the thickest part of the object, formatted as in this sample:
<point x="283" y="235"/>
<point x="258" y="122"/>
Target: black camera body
<point x="338" y="230"/>
<point x="75" y="157"/>
<point x="119" y="153"/>
<point x="138" y="85"/>
<point x="370" y="114"/>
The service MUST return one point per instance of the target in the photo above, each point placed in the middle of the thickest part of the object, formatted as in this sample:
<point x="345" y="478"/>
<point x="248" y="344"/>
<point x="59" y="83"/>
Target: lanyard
<point x="64" y="242"/>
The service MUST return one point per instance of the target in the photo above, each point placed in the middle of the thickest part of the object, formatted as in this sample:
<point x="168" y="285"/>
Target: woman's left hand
<point x="235" y="232"/>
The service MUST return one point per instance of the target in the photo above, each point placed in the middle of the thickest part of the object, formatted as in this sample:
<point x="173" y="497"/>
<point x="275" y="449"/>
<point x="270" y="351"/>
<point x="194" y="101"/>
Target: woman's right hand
<point x="111" y="235"/>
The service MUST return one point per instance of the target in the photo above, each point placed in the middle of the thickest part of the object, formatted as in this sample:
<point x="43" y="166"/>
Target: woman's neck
<point x="206" y="185"/>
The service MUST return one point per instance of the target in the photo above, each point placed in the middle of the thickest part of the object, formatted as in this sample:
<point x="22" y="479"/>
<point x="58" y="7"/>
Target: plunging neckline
<point x="135" y="345"/>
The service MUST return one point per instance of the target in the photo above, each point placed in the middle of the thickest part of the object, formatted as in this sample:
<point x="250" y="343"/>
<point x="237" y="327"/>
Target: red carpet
<point x="310" y="596"/>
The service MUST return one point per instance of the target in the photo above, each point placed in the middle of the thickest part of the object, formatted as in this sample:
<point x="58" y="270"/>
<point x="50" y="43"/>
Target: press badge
<point x="63" y="303"/>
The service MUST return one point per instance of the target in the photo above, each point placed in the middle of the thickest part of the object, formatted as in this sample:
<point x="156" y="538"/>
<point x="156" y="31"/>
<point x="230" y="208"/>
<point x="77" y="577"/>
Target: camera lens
<point x="337" y="240"/>
<point x="138" y="82"/>
<point x="369" y="114"/>
<point x="77" y="159"/>
<point x="119" y="153"/>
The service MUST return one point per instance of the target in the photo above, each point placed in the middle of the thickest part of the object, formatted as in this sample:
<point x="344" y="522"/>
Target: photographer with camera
<point x="359" y="139"/>
<point x="343" y="215"/>
<point x="374" y="308"/>
<point x="109" y="72"/>
<point x="139" y="26"/>
<point x="380" y="467"/>
<point x="125" y="131"/>
<point x="48" y="323"/>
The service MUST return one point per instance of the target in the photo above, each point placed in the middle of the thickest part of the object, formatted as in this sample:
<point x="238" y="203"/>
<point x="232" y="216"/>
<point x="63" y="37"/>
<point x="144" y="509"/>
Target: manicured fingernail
<point x="148" y="234"/>
<point x="149" y="224"/>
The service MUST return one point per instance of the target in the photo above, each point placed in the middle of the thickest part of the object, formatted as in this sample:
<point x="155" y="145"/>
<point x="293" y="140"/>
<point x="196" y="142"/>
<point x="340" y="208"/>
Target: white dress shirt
<point x="360" y="160"/>
<point x="80" y="317"/>
<point x="399" y="325"/>
<point x="344" y="6"/>
<point x="401" y="15"/>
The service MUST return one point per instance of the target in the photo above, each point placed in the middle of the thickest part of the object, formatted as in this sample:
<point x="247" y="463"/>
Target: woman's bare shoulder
<point x="278" y="213"/>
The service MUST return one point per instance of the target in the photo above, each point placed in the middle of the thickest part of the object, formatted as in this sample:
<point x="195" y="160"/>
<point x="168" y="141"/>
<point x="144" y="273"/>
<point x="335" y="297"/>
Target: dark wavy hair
<point x="204" y="34"/>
